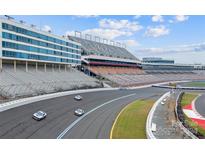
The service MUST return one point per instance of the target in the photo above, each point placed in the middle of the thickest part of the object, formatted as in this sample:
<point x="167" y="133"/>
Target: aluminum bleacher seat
<point x="32" y="82"/>
<point x="103" y="49"/>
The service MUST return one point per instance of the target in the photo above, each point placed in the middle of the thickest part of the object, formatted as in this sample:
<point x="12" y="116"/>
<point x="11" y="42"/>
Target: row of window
<point x="38" y="50"/>
<point x="160" y="67"/>
<point x="161" y="61"/>
<point x="6" y="53"/>
<point x="38" y="43"/>
<point x="101" y="54"/>
<point x="111" y="61"/>
<point x="37" y="35"/>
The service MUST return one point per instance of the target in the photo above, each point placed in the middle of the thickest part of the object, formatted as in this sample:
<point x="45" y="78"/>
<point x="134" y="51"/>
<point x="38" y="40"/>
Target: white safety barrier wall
<point x="24" y="101"/>
<point x="149" y="133"/>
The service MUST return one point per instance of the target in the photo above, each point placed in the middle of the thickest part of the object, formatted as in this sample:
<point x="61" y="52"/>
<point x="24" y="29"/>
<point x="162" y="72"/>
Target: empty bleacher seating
<point x="22" y="83"/>
<point x="101" y="49"/>
<point x="129" y="76"/>
<point x="102" y="70"/>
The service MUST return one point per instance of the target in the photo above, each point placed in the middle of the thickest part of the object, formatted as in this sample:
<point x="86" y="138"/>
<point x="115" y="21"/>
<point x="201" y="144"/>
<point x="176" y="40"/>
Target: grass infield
<point x="187" y="98"/>
<point x="196" y="84"/>
<point x="131" y="121"/>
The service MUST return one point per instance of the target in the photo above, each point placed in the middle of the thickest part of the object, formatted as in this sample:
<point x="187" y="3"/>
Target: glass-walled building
<point x="157" y="60"/>
<point x="22" y="42"/>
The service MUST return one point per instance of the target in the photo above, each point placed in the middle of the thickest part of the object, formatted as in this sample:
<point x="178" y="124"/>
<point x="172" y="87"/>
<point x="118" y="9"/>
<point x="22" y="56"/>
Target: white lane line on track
<point x="62" y="134"/>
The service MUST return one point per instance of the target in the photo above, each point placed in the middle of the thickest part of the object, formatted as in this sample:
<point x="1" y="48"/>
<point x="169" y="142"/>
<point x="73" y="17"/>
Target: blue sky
<point x="175" y="37"/>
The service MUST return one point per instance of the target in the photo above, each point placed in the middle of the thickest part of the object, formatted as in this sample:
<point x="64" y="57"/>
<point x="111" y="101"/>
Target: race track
<point x="101" y="109"/>
<point x="200" y="105"/>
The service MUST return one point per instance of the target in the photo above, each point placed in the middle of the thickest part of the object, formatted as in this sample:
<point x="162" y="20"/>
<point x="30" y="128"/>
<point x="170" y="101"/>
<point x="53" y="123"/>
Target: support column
<point x="26" y="66"/>
<point x="1" y="65"/>
<point x="69" y="67"/>
<point x="65" y="67"/>
<point x="53" y="67"/>
<point x="36" y="66"/>
<point x="59" y="67"/>
<point x="14" y="65"/>
<point x="45" y="67"/>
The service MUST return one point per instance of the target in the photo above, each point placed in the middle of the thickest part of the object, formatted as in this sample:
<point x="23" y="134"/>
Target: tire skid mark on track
<point x="62" y="134"/>
<point x="26" y="124"/>
<point x="21" y="125"/>
<point x="90" y="124"/>
<point x="108" y="116"/>
<point x="103" y="123"/>
<point x="99" y="130"/>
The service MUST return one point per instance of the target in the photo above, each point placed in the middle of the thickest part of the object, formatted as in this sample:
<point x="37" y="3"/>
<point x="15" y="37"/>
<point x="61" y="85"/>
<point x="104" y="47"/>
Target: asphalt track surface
<point x="18" y="122"/>
<point x="200" y="105"/>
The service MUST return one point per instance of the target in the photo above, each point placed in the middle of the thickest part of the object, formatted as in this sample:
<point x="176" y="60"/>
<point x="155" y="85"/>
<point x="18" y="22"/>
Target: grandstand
<point x="22" y="82"/>
<point x="118" y="65"/>
<point x="135" y="80"/>
<point x="35" y="62"/>
<point x="108" y="70"/>
<point x="90" y="47"/>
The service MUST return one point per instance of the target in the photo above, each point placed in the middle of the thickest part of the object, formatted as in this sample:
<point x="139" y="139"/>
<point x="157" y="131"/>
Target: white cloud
<point x="190" y="57"/>
<point x="137" y="16"/>
<point x="171" y="21"/>
<point x="178" y="18"/>
<point x="151" y="50"/>
<point x="157" y="18"/>
<point x="86" y="16"/>
<point x="104" y="33"/>
<point x="125" y="25"/>
<point x="46" y="28"/>
<point x="131" y="43"/>
<point x="157" y="31"/>
<point x="181" y="18"/>
<point x="188" y="48"/>
<point x="107" y="33"/>
<point x="112" y="29"/>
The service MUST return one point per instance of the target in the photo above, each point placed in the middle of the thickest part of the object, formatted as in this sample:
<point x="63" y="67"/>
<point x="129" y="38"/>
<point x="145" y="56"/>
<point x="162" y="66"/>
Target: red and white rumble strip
<point x="191" y="112"/>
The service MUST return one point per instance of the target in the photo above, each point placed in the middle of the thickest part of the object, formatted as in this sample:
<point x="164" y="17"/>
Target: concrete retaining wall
<point x="184" y="129"/>
<point x="149" y="133"/>
<point x="24" y="101"/>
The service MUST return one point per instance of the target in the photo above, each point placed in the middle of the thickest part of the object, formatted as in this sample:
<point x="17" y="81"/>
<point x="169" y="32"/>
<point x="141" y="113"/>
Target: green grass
<point x="187" y="98"/>
<point x="172" y="84"/>
<point x="195" y="126"/>
<point x="131" y="123"/>
<point x="196" y="84"/>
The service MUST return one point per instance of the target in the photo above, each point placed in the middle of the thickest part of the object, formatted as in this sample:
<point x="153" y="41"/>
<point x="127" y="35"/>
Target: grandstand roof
<point x="101" y="49"/>
<point x="109" y="58"/>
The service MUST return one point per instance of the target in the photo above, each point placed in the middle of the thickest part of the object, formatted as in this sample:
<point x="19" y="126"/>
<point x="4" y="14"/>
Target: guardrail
<point x="149" y="133"/>
<point x="179" y="120"/>
<point x="155" y="84"/>
<point x="183" y="88"/>
<point x="24" y="101"/>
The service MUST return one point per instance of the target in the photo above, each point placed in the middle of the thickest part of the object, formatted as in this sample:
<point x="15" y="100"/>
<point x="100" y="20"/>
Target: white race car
<point x="79" y="112"/>
<point x="78" y="97"/>
<point x="39" y="115"/>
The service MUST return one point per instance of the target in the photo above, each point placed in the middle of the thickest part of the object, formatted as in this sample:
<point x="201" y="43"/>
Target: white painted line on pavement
<point x="62" y="134"/>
